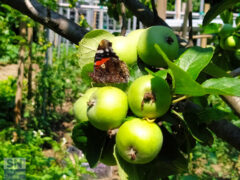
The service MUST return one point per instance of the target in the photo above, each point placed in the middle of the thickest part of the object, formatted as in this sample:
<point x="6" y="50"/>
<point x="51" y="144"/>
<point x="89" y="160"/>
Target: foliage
<point x="218" y="161"/>
<point x="8" y="34"/>
<point x="217" y="9"/>
<point x="57" y="83"/>
<point x="7" y="98"/>
<point x="38" y="166"/>
<point x="223" y="57"/>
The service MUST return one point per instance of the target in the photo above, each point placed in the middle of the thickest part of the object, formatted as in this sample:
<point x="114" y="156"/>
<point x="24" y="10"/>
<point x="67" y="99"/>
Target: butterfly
<point x="108" y="68"/>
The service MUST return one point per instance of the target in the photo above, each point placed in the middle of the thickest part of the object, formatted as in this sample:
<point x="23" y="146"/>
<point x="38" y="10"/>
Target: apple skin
<point x="125" y="49"/>
<point x="149" y="84"/>
<point x="165" y="38"/>
<point x="231" y="43"/>
<point x="139" y="141"/>
<point x="133" y="37"/>
<point x="80" y="106"/>
<point x="107" y="108"/>
<point x="237" y="54"/>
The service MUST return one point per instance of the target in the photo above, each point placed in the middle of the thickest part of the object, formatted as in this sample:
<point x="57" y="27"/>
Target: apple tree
<point x="149" y="127"/>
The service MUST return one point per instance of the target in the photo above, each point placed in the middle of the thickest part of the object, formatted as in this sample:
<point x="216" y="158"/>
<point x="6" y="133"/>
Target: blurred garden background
<point x="40" y="79"/>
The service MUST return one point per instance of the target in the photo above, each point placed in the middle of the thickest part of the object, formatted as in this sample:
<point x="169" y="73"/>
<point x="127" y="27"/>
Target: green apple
<point x="231" y="43"/>
<point x="226" y="30"/>
<point x="237" y="54"/>
<point x="165" y="38"/>
<point x="107" y="157"/>
<point x="125" y="49"/>
<point x="134" y="35"/>
<point x="107" y="108"/>
<point x="80" y="106"/>
<point x="139" y="141"/>
<point x="90" y="91"/>
<point x="149" y="96"/>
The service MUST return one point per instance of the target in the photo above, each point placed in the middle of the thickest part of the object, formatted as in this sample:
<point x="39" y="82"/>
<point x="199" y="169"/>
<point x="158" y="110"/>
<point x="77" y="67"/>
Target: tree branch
<point x="222" y="128"/>
<point x="49" y="18"/>
<point x="233" y="101"/>
<point x="226" y="131"/>
<point x="143" y="13"/>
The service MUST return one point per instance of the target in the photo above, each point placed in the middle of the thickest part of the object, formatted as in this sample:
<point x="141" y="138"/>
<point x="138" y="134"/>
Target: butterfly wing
<point x="108" y="68"/>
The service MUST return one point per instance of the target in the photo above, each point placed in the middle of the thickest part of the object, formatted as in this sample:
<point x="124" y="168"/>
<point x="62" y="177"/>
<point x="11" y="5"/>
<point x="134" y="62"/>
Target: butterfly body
<point x="108" y="68"/>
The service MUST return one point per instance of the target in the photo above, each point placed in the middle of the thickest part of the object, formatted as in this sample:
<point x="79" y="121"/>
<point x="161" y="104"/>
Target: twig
<point x="155" y="13"/>
<point x="190" y="40"/>
<point x="179" y="99"/>
<point x="124" y="19"/>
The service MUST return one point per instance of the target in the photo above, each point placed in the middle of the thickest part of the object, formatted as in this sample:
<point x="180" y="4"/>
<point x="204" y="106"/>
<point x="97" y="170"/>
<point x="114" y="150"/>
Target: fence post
<point x="204" y="40"/>
<point x="59" y="37"/>
<point x="178" y="9"/>
<point x="162" y="8"/>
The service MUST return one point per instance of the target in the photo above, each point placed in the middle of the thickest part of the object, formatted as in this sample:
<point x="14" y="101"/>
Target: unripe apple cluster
<point x="139" y="139"/>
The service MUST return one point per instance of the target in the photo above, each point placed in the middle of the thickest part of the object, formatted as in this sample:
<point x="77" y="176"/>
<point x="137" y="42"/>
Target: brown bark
<point x="190" y="40"/>
<point x="227" y="132"/>
<point x="29" y="61"/>
<point x="144" y="14"/>
<point x="58" y="23"/>
<point x="124" y="19"/>
<point x="18" y="98"/>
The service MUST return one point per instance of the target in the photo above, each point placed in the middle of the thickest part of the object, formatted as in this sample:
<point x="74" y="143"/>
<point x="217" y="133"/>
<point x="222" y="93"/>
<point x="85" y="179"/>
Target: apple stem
<point x="132" y="153"/>
<point x="91" y="103"/>
<point x="149" y="120"/>
<point x="179" y="99"/>
<point x="112" y="132"/>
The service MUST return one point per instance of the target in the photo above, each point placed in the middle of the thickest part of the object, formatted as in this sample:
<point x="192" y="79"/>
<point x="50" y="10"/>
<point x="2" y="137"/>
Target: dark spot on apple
<point x="148" y="98"/>
<point x="132" y="153"/>
<point x="90" y="103"/>
<point x="169" y="40"/>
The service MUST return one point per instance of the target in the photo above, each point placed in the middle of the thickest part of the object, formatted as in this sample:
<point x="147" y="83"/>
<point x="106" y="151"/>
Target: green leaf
<point x="212" y="28"/>
<point x="137" y="70"/>
<point x="196" y="128"/>
<point x="227" y="17"/>
<point x="184" y="84"/>
<point x="89" y="44"/>
<point x="168" y="162"/>
<point x="194" y="60"/>
<point x="237" y="20"/>
<point x="217" y="9"/>
<point x="223" y="86"/>
<point x="161" y="73"/>
<point x="90" y="140"/>
<point x="207" y="115"/>
<point x="215" y="71"/>
<point x="86" y="69"/>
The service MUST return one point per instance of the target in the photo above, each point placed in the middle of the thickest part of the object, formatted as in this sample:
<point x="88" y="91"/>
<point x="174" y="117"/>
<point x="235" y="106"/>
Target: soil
<point x="8" y="70"/>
